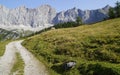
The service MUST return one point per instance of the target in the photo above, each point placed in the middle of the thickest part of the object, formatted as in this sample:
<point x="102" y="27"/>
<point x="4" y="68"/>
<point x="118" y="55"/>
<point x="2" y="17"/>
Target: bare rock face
<point x="88" y="16"/>
<point x="92" y="16"/>
<point x="24" y="17"/>
<point x="45" y="16"/>
<point x="65" y="16"/>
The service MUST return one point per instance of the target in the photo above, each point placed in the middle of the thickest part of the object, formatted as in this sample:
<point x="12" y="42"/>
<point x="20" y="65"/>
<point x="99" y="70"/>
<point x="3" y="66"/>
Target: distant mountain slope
<point x="95" y="48"/>
<point x="4" y="35"/>
<point x="88" y="16"/>
<point x="45" y="16"/>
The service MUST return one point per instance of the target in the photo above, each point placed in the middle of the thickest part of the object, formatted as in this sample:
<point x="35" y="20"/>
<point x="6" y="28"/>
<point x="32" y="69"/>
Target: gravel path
<point x="32" y="65"/>
<point x="8" y="59"/>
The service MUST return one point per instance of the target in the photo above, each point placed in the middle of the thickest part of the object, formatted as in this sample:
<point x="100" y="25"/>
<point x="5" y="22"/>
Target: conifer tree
<point x="78" y="21"/>
<point x="111" y="13"/>
<point x="117" y="9"/>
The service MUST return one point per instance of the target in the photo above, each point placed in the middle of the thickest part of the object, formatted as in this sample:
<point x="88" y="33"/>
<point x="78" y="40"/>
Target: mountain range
<point x="36" y="19"/>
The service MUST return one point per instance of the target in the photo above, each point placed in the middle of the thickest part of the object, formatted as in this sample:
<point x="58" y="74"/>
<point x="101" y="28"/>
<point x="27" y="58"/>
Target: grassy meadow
<point x="95" y="48"/>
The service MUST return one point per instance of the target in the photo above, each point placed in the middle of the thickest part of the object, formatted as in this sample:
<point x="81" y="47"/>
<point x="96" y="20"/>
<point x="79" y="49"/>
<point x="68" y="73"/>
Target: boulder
<point x="68" y="65"/>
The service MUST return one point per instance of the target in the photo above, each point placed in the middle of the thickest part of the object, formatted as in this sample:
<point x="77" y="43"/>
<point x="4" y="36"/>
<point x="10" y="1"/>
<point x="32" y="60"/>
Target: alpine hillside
<point x="95" y="48"/>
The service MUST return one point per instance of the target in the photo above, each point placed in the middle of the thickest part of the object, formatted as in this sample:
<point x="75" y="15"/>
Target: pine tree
<point x="78" y="21"/>
<point x="111" y="13"/>
<point x="114" y="12"/>
<point x="117" y="9"/>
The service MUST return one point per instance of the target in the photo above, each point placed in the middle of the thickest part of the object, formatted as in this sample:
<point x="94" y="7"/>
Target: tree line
<point x="76" y="23"/>
<point x="114" y="12"/>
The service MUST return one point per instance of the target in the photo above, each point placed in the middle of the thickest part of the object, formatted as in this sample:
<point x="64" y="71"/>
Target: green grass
<point x="95" y="48"/>
<point x="18" y="66"/>
<point x="2" y="46"/>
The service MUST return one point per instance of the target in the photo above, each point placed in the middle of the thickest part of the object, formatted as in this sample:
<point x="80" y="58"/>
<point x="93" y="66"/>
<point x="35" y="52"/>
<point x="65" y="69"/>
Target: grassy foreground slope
<point x="95" y="48"/>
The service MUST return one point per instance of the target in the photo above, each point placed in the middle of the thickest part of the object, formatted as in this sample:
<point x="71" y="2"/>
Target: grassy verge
<point x="95" y="48"/>
<point x="2" y="47"/>
<point x="18" y="67"/>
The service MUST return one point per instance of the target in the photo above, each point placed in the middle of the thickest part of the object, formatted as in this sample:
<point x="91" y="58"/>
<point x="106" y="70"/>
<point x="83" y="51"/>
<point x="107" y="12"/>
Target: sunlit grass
<point x="94" y="43"/>
<point x="18" y="67"/>
<point x="2" y="47"/>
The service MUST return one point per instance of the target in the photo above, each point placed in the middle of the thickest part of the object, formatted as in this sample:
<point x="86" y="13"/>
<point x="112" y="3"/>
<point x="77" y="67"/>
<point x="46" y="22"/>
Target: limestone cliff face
<point x="88" y="16"/>
<point x="45" y="15"/>
<point x="28" y="17"/>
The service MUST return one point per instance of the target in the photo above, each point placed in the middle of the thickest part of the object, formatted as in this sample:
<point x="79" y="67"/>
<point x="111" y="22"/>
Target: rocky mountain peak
<point x="45" y="16"/>
<point x="107" y="7"/>
<point x="45" y="6"/>
<point x="22" y="7"/>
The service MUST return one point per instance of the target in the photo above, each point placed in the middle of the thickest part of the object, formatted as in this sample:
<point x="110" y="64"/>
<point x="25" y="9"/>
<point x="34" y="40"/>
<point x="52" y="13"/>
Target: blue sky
<point x="59" y="5"/>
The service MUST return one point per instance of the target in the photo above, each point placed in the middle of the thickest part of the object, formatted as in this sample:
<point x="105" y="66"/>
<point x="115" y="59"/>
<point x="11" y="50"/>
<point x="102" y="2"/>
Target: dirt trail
<point x="32" y="65"/>
<point x="8" y="59"/>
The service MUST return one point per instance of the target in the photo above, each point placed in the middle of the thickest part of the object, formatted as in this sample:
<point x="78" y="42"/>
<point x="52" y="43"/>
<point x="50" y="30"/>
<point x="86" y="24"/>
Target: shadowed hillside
<point x="5" y="35"/>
